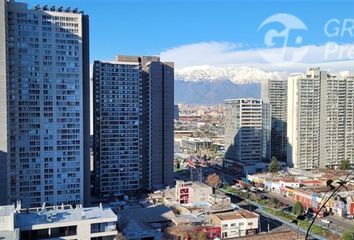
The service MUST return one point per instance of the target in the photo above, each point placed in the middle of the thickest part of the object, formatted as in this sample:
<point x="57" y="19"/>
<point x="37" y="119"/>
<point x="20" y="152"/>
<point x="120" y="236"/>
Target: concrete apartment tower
<point x="274" y="92"/>
<point x="44" y="103"/>
<point x="247" y="131"/>
<point x="133" y="124"/>
<point x="320" y="119"/>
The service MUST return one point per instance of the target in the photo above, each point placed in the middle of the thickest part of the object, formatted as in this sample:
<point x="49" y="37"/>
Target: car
<point x="253" y="189"/>
<point x="326" y="221"/>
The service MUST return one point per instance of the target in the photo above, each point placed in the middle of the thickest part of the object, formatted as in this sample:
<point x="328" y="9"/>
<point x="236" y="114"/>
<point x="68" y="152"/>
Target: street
<point x="338" y="224"/>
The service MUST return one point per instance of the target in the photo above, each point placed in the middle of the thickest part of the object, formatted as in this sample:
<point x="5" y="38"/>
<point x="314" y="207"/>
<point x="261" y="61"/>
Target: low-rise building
<point x="195" y="145"/>
<point x="64" y="222"/>
<point x="192" y="192"/>
<point x="145" y="223"/>
<point x="236" y="224"/>
<point x="219" y="199"/>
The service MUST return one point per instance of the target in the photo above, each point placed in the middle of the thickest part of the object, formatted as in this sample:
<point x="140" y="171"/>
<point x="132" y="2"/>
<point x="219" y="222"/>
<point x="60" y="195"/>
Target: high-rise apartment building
<point x="247" y="131"/>
<point x="320" y="119"/>
<point x="44" y="101"/>
<point x="274" y="92"/>
<point x="176" y="112"/>
<point x="133" y="124"/>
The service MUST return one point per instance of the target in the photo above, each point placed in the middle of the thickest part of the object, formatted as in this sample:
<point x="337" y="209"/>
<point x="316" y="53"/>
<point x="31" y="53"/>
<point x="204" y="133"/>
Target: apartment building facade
<point x="274" y="92"/>
<point x="44" y="70"/>
<point x="133" y="124"/>
<point x="320" y="119"/>
<point x="247" y="131"/>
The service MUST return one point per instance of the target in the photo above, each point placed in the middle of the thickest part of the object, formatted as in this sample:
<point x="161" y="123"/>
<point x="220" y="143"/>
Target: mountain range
<point x="209" y="84"/>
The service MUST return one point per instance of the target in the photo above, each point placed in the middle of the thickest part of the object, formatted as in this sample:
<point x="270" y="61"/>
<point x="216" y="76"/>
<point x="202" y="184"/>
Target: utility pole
<point x="268" y="223"/>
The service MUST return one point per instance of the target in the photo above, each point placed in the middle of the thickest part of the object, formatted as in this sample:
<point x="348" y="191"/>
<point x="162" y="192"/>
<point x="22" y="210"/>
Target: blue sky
<point x="151" y="27"/>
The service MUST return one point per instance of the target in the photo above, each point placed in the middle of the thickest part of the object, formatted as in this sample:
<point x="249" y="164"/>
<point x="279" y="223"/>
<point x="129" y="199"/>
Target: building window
<point x="53" y="233"/>
<point x="103" y="227"/>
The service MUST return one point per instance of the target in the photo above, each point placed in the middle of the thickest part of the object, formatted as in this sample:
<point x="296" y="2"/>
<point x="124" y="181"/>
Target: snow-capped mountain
<point x="236" y="74"/>
<point x="209" y="84"/>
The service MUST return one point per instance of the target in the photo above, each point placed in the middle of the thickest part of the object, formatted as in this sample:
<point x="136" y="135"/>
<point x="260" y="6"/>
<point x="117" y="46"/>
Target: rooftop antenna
<point x="18" y="206"/>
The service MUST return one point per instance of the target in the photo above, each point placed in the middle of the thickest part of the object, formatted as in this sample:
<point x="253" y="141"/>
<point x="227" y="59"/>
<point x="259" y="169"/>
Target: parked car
<point x="253" y="189"/>
<point x="326" y="221"/>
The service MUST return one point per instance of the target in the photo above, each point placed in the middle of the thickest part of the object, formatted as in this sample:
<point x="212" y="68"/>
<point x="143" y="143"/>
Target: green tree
<point x="274" y="165"/>
<point x="344" y="165"/>
<point x="347" y="236"/>
<point x="298" y="209"/>
<point x="178" y="164"/>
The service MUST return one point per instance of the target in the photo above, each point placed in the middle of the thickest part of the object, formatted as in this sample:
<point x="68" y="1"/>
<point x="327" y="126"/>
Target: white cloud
<point x="329" y="56"/>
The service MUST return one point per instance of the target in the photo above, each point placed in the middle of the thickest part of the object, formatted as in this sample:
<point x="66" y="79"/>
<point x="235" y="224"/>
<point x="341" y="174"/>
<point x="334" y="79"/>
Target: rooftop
<point x="147" y="215"/>
<point x="285" y="235"/>
<point x="9" y="235"/>
<point x="239" y="214"/>
<point x="61" y="214"/>
<point x="6" y="210"/>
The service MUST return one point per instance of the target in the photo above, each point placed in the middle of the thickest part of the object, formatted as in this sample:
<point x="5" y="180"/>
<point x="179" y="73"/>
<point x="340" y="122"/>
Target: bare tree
<point x="214" y="181"/>
<point x="120" y="236"/>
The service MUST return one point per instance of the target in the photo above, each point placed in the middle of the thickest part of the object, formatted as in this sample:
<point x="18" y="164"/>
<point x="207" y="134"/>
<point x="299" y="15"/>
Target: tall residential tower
<point x="274" y="91"/>
<point x="320" y="119"/>
<point x="44" y="103"/>
<point x="133" y="124"/>
<point x="247" y="131"/>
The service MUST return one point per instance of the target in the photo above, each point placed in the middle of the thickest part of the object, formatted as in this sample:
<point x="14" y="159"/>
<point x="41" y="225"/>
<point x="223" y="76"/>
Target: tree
<point x="202" y="235"/>
<point x="347" y="236"/>
<point x="298" y="209"/>
<point x="178" y="164"/>
<point x="274" y="165"/>
<point x="214" y="181"/>
<point x="344" y="165"/>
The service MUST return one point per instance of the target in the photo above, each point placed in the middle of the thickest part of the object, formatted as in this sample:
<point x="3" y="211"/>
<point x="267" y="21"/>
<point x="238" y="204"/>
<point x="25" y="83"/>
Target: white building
<point x="247" y="131"/>
<point x="236" y="224"/>
<point x="44" y="103"/>
<point x="320" y="119"/>
<point x="62" y="222"/>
